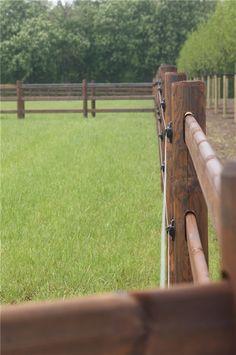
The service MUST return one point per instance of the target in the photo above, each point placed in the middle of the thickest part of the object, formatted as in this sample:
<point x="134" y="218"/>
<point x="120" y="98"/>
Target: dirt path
<point x="221" y="133"/>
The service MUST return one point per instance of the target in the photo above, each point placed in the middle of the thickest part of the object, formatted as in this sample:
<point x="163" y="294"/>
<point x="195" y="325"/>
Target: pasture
<point x="81" y="203"/>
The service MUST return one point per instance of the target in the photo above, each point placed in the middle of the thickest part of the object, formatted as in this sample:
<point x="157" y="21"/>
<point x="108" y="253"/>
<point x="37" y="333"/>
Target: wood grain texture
<point x="189" y="320"/>
<point x="93" y="325"/>
<point x="186" y="96"/>
<point x="85" y="98"/>
<point x="160" y="76"/>
<point x="197" y="258"/>
<point x="170" y="77"/>
<point x="207" y="167"/>
<point x="20" y="100"/>
<point x="93" y="98"/>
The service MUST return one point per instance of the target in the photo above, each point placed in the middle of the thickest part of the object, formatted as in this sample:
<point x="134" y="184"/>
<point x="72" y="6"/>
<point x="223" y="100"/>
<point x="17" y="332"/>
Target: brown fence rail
<point x="185" y="319"/>
<point x="85" y="92"/>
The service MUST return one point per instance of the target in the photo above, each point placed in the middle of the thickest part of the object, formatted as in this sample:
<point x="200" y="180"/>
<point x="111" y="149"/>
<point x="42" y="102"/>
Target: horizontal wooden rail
<point x="49" y="86"/>
<point x="193" y="320"/>
<point x="120" y="85"/>
<point x="7" y="86"/>
<point x="122" y="97"/>
<point x="8" y="111"/>
<point x="121" y="110"/>
<point x="8" y="98"/>
<point x="53" y="98"/>
<point x="207" y="166"/>
<point x="196" y="254"/>
<point x="53" y="111"/>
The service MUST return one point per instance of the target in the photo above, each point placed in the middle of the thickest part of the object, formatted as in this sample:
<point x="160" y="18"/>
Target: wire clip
<point x="169" y="132"/>
<point x="163" y="104"/>
<point x="171" y="229"/>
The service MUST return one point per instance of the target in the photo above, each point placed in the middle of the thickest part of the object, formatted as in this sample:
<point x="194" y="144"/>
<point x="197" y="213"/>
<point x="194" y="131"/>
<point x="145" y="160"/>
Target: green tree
<point x="212" y="47"/>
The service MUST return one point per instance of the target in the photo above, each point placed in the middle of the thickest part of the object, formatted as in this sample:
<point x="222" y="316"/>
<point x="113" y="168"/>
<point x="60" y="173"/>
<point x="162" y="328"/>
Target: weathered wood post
<point x="85" y="98"/>
<point x="186" y="97"/>
<point x="228" y="228"/>
<point x="224" y="96"/>
<point x="235" y="98"/>
<point x="170" y="77"/>
<point x="208" y="92"/>
<point x="93" y="101"/>
<point x="20" y="100"/>
<point x="219" y="90"/>
<point x="160" y="77"/>
<point x="212" y="90"/>
<point x="215" y="94"/>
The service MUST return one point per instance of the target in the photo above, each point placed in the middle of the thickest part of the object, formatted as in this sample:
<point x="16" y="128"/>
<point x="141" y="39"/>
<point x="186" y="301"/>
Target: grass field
<point x="81" y="204"/>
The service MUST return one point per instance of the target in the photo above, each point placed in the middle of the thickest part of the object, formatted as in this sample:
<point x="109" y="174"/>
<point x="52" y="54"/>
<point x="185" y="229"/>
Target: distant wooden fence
<point x="218" y="93"/>
<point x="185" y="319"/>
<point x="85" y="92"/>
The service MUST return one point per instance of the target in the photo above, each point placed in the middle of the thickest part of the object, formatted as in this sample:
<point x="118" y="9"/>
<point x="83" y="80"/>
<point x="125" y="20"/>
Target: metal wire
<point x="163" y="228"/>
<point x="165" y="218"/>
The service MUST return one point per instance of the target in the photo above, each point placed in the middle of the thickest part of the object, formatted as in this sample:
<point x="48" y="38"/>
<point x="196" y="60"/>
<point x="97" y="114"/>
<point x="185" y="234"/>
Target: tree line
<point x="212" y="47"/>
<point x="104" y="40"/>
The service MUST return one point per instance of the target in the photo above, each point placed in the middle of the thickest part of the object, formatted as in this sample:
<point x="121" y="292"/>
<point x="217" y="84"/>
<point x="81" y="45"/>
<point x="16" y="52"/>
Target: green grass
<point x="81" y="204"/>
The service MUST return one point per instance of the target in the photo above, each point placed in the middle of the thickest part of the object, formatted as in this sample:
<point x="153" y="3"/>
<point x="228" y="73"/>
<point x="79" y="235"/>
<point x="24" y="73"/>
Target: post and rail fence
<point x="195" y="315"/>
<point x="218" y="97"/>
<point x="85" y="93"/>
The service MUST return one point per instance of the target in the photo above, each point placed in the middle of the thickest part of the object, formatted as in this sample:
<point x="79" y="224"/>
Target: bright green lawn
<point x="81" y="203"/>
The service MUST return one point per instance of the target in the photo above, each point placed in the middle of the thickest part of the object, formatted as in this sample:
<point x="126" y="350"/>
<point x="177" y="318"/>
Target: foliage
<point x="212" y="47"/>
<point x="106" y="40"/>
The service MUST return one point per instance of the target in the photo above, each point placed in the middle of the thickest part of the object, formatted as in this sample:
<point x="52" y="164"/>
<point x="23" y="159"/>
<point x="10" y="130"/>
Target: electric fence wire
<point x="163" y="261"/>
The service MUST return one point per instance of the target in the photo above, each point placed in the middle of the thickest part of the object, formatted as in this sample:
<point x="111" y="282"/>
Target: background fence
<point x="84" y="92"/>
<point x="220" y="88"/>
<point x="185" y="319"/>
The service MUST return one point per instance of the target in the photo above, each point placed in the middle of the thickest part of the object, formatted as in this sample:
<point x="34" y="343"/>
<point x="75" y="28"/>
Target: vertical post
<point x="219" y="90"/>
<point x="20" y="100"/>
<point x="160" y="125"/>
<point x="224" y="96"/>
<point x="212" y="90"/>
<point x="208" y="92"/>
<point x="235" y="98"/>
<point x="228" y="228"/>
<point x="85" y="98"/>
<point x="215" y="94"/>
<point x="170" y="77"/>
<point x="93" y="102"/>
<point x="186" y="97"/>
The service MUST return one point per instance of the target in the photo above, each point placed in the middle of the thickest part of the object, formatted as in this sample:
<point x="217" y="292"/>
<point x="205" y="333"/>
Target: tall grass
<point x="81" y="204"/>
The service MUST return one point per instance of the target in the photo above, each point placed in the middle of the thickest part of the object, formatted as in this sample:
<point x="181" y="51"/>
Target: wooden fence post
<point x="219" y="90"/>
<point x="20" y="100"/>
<point x="208" y="92"/>
<point x="212" y="90"/>
<point x="224" y="96"/>
<point x="164" y="68"/>
<point x="93" y="101"/>
<point x="187" y="96"/>
<point x="235" y="98"/>
<point x="215" y="94"/>
<point x="170" y="77"/>
<point x="228" y="228"/>
<point x="85" y="98"/>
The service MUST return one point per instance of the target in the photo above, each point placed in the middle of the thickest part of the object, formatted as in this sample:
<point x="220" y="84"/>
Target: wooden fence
<point x="85" y="93"/>
<point x="218" y="93"/>
<point x="194" y="317"/>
